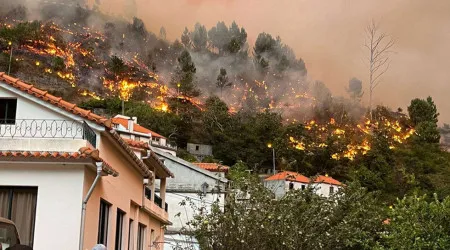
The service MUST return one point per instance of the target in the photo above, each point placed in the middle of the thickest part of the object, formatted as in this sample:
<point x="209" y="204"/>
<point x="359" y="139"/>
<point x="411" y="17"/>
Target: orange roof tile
<point x="85" y="153"/>
<point x="136" y="127"/>
<point x="57" y="101"/>
<point x="213" y="167"/>
<point x="327" y="180"/>
<point x="136" y="144"/>
<point x="288" y="176"/>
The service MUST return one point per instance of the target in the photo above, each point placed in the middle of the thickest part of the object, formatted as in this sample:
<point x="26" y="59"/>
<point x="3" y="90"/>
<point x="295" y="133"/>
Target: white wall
<point x="187" y="212"/>
<point x="59" y="198"/>
<point x="324" y="189"/>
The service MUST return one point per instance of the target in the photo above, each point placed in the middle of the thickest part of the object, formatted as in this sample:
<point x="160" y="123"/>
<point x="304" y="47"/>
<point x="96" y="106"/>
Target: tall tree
<point x="162" y="33"/>
<point x="199" y="37"/>
<point x="379" y="46"/>
<point x="184" y="78"/>
<point x="185" y="38"/>
<point x="222" y="80"/>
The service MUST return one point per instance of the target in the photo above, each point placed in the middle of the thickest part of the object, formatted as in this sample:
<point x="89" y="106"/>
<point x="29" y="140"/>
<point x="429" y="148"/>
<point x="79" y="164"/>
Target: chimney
<point x="130" y="125"/>
<point x="134" y="119"/>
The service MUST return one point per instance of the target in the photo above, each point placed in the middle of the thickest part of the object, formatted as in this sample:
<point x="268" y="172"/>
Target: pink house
<point x="69" y="181"/>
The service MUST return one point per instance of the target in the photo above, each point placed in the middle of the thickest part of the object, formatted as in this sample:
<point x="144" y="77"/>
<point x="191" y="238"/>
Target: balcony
<point x="157" y="199"/>
<point x="48" y="129"/>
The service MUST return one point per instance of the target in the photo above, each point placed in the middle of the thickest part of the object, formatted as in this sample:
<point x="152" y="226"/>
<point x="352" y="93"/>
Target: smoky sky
<point x="329" y="36"/>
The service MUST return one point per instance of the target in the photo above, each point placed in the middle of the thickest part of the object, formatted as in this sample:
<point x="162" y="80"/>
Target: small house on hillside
<point x="200" y="151"/>
<point x="282" y="182"/>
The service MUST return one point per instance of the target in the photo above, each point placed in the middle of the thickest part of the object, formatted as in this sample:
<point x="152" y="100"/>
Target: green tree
<point x="424" y="115"/>
<point x="184" y="78"/>
<point x="415" y="223"/>
<point x="222" y="80"/>
<point x="185" y="38"/>
<point x="252" y="219"/>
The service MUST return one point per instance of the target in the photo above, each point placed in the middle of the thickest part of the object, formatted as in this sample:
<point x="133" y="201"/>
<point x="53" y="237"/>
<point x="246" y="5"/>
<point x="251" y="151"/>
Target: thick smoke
<point x="329" y="35"/>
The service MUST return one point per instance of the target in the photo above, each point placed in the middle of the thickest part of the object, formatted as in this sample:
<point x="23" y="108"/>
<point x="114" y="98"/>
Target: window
<point x="130" y="235"/>
<point x="19" y="205"/>
<point x="119" y="229"/>
<point x="197" y="148"/>
<point x="331" y="190"/>
<point x="103" y="221"/>
<point x="8" y="111"/>
<point x="291" y="186"/>
<point x="152" y="237"/>
<point x="141" y="237"/>
<point x="303" y="187"/>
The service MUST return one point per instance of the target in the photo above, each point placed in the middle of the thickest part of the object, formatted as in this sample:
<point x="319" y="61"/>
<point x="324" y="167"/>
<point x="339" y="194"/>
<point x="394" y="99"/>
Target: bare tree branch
<point x="379" y="47"/>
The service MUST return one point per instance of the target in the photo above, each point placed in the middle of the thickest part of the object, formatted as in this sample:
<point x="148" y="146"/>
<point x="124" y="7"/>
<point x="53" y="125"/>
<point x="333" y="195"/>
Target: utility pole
<point x="10" y="58"/>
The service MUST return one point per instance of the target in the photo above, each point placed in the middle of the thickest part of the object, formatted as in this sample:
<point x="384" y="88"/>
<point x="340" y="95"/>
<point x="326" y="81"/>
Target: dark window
<point x="197" y="148"/>
<point x="8" y="111"/>
<point x="119" y="229"/>
<point x="141" y="237"/>
<point x="103" y="223"/>
<point x="130" y="235"/>
<point x="331" y="190"/>
<point x="291" y="186"/>
<point x="19" y="205"/>
<point x="303" y="187"/>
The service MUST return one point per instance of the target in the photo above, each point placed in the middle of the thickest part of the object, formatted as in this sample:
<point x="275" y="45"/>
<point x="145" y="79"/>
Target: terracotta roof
<point x="327" y="180"/>
<point x="289" y="176"/>
<point x="136" y="127"/>
<point x="85" y="153"/>
<point x="56" y="101"/>
<point x="136" y="144"/>
<point x="213" y="167"/>
<point x="145" y="171"/>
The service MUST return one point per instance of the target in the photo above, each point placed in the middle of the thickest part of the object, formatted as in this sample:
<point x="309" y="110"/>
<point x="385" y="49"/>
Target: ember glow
<point x="355" y="140"/>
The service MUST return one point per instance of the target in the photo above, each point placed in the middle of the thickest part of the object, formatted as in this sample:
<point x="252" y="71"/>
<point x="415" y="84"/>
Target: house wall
<point x="297" y="185"/>
<point x="59" y="197"/>
<point x="203" y="150"/>
<point x="188" y="184"/>
<point x="124" y="192"/>
<point x="187" y="212"/>
<point x="278" y="187"/>
<point x="324" y="189"/>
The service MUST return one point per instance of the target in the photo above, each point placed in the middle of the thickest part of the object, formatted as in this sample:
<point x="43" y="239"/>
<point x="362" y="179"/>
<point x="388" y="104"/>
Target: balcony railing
<point x="157" y="199"/>
<point x="43" y="128"/>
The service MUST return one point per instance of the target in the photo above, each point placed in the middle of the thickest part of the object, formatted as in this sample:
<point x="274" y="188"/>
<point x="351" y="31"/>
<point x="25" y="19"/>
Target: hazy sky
<point x="329" y="36"/>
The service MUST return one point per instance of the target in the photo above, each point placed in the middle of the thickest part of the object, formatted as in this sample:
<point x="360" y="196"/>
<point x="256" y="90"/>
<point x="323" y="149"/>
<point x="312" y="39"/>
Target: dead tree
<point x="379" y="45"/>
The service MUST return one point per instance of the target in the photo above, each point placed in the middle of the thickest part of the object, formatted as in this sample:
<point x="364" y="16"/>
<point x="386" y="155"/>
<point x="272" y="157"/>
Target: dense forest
<point x="210" y="86"/>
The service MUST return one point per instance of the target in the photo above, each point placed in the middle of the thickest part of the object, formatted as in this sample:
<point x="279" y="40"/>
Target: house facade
<point x="130" y="129"/>
<point x="284" y="181"/>
<point x="69" y="180"/>
<point x="191" y="184"/>
<point x="200" y="151"/>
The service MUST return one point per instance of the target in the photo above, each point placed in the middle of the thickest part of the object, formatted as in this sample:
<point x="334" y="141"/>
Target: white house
<point x="69" y="181"/>
<point x="194" y="183"/>
<point x="128" y="128"/>
<point x="284" y="181"/>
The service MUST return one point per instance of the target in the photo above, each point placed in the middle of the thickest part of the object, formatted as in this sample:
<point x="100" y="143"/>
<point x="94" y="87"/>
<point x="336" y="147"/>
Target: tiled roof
<point x="57" y="101"/>
<point x="145" y="171"/>
<point x="213" y="167"/>
<point x="289" y="176"/>
<point x="85" y="153"/>
<point x="136" y="127"/>
<point x="136" y="144"/>
<point x="327" y="180"/>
